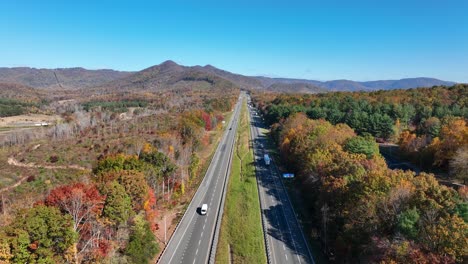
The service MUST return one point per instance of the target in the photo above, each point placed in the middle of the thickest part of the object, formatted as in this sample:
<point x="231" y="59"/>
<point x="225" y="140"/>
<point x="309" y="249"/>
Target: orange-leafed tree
<point x="453" y="135"/>
<point x="150" y="210"/>
<point x="448" y="237"/>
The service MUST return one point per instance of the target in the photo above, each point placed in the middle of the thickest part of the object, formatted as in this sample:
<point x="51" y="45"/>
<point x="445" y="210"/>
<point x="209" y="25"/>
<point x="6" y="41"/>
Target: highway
<point x="284" y="239"/>
<point x="195" y="237"/>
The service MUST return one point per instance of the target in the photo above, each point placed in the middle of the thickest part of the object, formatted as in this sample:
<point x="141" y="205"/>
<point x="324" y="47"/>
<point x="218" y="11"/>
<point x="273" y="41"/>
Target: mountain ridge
<point x="59" y="78"/>
<point x="169" y="74"/>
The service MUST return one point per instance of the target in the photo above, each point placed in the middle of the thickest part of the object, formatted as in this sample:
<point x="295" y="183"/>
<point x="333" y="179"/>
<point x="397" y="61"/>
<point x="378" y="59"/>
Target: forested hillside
<point x="169" y="73"/>
<point x="364" y="211"/>
<point x="65" y="78"/>
<point x="429" y="124"/>
<point x="96" y="186"/>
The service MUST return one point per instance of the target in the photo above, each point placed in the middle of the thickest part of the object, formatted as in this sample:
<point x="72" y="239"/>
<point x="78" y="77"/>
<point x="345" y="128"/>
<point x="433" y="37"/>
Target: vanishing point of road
<point x="194" y="240"/>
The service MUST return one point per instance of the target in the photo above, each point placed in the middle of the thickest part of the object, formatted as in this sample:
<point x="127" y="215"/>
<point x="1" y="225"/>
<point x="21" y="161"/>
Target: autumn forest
<point x="360" y="210"/>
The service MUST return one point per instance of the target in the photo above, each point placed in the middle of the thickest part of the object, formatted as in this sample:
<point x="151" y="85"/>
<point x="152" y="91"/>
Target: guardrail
<point x="191" y="200"/>
<point x="265" y="237"/>
<point x="294" y="212"/>
<point x="273" y="164"/>
<point x="183" y="216"/>
<point x="219" y="216"/>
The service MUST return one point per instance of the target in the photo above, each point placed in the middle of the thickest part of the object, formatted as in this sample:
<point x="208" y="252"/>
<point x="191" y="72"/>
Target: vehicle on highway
<point x="204" y="209"/>
<point x="267" y="159"/>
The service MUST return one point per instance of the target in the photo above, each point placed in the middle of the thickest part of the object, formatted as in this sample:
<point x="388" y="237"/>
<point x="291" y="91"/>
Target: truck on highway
<point x="267" y="159"/>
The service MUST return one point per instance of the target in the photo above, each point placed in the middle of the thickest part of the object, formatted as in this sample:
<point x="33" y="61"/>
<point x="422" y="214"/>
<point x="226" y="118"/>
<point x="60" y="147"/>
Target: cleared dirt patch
<point x="12" y="161"/>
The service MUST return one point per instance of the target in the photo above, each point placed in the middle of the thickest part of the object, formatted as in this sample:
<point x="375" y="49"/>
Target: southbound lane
<point x="284" y="237"/>
<point x="192" y="241"/>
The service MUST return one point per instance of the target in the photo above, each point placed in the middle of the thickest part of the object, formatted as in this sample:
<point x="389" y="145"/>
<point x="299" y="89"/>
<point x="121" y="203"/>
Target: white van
<point x="204" y="208"/>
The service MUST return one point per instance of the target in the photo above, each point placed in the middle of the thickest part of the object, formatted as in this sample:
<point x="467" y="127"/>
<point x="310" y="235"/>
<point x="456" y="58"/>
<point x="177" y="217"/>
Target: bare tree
<point x="83" y="203"/>
<point x="459" y="164"/>
<point x="137" y="146"/>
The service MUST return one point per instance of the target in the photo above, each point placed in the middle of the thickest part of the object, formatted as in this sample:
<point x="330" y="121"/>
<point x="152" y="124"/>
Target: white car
<point x="203" y="209"/>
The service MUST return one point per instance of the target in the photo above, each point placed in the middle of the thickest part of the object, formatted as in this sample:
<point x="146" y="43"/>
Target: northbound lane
<point x="195" y="238"/>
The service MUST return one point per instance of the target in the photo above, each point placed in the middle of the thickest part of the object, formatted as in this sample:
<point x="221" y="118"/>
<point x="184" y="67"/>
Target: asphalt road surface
<point x="193" y="239"/>
<point x="284" y="237"/>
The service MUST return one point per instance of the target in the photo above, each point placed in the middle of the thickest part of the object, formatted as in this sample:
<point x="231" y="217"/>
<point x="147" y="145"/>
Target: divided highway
<point x="285" y="240"/>
<point x="195" y="238"/>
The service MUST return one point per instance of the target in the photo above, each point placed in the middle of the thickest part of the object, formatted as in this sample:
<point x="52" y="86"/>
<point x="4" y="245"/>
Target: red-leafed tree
<point x="207" y="120"/>
<point x="81" y="201"/>
<point x="84" y="203"/>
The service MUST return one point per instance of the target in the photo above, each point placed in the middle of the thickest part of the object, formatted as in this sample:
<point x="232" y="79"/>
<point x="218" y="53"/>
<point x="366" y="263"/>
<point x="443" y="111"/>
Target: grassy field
<point x="241" y="238"/>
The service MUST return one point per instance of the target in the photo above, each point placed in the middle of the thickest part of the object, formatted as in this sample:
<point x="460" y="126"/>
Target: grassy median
<point x="241" y="238"/>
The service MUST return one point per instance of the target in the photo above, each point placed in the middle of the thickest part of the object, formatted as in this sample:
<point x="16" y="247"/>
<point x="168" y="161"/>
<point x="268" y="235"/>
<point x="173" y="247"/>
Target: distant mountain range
<point x="348" y="85"/>
<point x="66" y="78"/>
<point x="19" y="91"/>
<point x="170" y="75"/>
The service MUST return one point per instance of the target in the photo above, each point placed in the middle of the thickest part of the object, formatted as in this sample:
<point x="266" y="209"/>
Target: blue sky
<point x="323" y="40"/>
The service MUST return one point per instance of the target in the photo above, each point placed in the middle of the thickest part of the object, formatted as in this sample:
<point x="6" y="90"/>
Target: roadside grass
<point x="205" y="161"/>
<point x="196" y="181"/>
<point x="241" y="229"/>
<point x="206" y="156"/>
